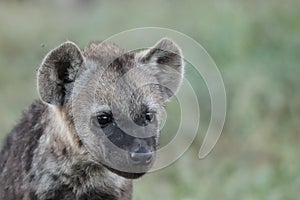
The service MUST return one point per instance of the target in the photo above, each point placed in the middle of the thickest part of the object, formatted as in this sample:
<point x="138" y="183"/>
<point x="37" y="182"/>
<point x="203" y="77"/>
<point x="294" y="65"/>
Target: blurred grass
<point x="256" y="46"/>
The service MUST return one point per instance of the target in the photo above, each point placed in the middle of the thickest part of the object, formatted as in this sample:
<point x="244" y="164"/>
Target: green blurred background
<point x="256" y="45"/>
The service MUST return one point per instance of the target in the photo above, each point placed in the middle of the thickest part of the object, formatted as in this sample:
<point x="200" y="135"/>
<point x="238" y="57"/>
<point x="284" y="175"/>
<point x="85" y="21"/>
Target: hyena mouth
<point x="138" y="159"/>
<point x="128" y="175"/>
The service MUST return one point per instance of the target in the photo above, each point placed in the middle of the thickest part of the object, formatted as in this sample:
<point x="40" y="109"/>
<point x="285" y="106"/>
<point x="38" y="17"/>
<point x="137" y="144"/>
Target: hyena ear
<point x="57" y="73"/>
<point x="164" y="61"/>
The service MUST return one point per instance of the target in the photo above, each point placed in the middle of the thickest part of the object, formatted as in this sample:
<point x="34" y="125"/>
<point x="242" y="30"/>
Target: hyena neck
<point x="61" y="161"/>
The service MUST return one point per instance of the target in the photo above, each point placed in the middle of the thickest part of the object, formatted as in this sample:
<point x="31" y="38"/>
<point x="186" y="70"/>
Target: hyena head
<point x="113" y="100"/>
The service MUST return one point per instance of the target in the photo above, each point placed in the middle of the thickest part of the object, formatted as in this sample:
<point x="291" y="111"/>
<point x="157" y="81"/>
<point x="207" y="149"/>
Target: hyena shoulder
<point x="19" y="146"/>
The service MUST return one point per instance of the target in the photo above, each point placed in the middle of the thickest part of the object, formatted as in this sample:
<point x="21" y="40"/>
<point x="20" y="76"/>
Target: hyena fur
<point x="77" y="141"/>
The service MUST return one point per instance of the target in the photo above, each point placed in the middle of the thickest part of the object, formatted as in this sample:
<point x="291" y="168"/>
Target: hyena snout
<point x="141" y="153"/>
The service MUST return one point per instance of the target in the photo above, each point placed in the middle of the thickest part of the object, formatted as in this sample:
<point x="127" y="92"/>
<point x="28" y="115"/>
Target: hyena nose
<point x="141" y="155"/>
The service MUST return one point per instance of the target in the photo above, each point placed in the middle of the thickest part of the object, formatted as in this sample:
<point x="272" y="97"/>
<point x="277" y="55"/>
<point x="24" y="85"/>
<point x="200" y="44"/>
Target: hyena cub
<point x="96" y="125"/>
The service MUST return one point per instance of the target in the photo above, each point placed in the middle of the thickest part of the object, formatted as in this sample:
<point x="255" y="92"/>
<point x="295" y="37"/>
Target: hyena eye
<point x="150" y="116"/>
<point x="104" y="119"/>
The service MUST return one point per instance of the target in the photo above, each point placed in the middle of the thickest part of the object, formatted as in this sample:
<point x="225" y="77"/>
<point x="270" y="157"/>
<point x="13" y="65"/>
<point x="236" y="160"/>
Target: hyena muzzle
<point x="96" y="124"/>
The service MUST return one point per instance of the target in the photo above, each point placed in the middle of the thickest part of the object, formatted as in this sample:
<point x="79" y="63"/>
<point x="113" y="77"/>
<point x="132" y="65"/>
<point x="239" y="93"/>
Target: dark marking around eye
<point x="150" y="116"/>
<point x="104" y="119"/>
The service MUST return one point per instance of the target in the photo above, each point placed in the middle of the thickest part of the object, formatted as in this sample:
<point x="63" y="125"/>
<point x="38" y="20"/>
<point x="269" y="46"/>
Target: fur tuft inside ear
<point x="58" y="72"/>
<point x="164" y="61"/>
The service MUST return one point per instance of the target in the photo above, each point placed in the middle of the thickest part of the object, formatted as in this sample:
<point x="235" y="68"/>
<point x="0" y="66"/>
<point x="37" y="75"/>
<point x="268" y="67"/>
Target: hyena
<point x="96" y="125"/>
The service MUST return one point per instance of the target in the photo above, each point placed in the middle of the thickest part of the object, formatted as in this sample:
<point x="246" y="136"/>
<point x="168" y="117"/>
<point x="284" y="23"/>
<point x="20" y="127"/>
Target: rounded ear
<point x="57" y="73"/>
<point x="164" y="61"/>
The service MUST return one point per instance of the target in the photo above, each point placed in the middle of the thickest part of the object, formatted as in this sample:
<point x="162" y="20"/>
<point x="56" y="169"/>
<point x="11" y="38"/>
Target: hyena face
<point x="112" y="100"/>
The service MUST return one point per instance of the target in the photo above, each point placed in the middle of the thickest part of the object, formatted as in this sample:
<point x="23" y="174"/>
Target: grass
<point x="256" y="46"/>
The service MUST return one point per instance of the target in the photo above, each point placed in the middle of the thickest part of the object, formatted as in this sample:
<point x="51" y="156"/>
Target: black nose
<point x="141" y="155"/>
